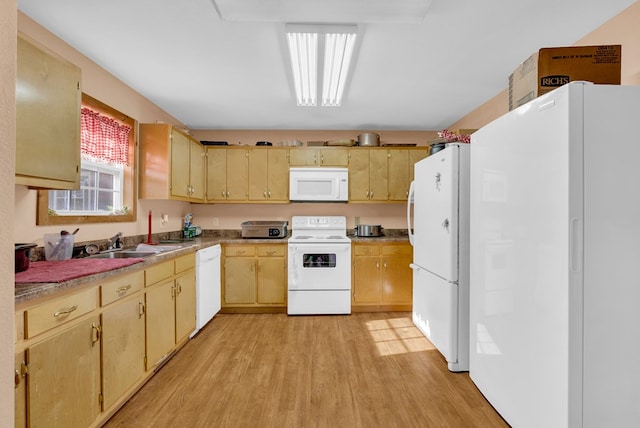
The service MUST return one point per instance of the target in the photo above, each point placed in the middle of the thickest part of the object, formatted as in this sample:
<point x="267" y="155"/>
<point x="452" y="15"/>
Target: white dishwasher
<point x="208" y="301"/>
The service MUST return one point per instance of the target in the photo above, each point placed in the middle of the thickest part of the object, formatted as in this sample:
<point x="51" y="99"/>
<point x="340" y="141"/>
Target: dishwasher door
<point x="208" y="301"/>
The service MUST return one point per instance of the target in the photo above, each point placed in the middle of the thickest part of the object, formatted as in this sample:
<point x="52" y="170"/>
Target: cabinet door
<point x="237" y="175"/>
<point x="122" y="348"/>
<point x="398" y="164"/>
<point x="359" y="174"/>
<point x="278" y="177"/>
<point x="258" y="174"/>
<point x="239" y="280"/>
<point x="303" y="156"/>
<point x="416" y="155"/>
<point x="48" y="103"/>
<point x="378" y="175"/>
<point x="20" y="392"/>
<point x="160" y="326"/>
<point x="271" y="280"/>
<point x="180" y="159"/>
<point x="185" y="305"/>
<point x="197" y="171"/>
<point x="64" y="378"/>
<point x="397" y="280"/>
<point x="334" y="156"/>
<point x="366" y="279"/>
<point x="216" y="174"/>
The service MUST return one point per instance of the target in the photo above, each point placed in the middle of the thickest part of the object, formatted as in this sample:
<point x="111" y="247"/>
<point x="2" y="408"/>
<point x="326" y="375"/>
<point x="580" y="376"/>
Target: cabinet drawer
<point x="121" y="287"/>
<point x="271" y="250"/>
<point x="59" y="311"/>
<point x="366" y="250"/>
<point x="240" y="251"/>
<point x="157" y="273"/>
<point x="396" y="250"/>
<point x="185" y="263"/>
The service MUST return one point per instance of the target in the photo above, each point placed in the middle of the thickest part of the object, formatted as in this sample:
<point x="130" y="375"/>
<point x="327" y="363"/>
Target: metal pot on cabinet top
<point x="369" y="139"/>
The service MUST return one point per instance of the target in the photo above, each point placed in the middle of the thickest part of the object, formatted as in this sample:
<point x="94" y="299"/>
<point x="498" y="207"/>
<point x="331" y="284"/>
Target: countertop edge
<point x="25" y="293"/>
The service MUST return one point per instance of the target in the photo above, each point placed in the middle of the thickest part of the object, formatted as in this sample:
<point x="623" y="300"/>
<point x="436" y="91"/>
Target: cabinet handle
<point x="269" y="193"/>
<point x="367" y="193"/>
<point x="384" y="265"/>
<point x="178" y="288"/>
<point x="239" y="252"/>
<point x="264" y="194"/>
<point x="222" y="193"/>
<point x="141" y="309"/>
<point x="227" y="194"/>
<point x="173" y="292"/>
<point x="16" y="379"/>
<point x="96" y="330"/>
<point x="123" y="288"/>
<point x="322" y="159"/>
<point x="271" y="252"/>
<point x="371" y="194"/>
<point x="377" y="265"/>
<point x="65" y="311"/>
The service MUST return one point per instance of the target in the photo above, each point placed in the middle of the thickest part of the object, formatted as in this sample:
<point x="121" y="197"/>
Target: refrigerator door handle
<point x="409" y="203"/>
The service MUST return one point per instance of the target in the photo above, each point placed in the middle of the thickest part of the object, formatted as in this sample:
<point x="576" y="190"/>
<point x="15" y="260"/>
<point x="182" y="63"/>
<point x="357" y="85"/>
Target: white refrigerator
<point x="439" y="199"/>
<point x="555" y="259"/>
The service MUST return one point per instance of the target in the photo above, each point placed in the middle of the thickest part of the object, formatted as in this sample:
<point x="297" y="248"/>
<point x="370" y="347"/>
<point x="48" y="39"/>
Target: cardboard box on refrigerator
<point x="550" y="68"/>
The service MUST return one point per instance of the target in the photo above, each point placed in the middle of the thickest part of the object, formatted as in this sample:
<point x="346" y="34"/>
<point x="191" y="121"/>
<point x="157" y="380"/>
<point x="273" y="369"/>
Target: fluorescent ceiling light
<point x="337" y="42"/>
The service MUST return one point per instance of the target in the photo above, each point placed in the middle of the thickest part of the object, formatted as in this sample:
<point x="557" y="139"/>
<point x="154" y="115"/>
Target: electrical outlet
<point x="216" y="221"/>
<point x="357" y="221"/>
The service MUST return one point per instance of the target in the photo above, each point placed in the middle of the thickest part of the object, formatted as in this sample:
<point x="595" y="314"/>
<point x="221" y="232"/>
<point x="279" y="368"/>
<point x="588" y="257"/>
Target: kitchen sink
<point x="142" y="250"/>
<point x="123" y="254"/>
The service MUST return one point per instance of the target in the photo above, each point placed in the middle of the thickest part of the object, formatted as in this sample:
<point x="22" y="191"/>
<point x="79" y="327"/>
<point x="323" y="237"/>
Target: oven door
<point x="319" y="266"/>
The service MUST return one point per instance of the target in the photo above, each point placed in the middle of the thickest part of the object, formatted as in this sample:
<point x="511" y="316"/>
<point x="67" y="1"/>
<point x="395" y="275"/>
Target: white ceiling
<point x="411" y="73"/>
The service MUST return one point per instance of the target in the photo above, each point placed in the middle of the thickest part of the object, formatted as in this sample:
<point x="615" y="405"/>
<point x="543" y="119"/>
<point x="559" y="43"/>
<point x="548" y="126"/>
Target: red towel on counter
<point x="65" y="270"/>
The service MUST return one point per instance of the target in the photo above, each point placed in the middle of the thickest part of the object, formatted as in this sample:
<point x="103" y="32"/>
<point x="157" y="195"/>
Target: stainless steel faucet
<point x="115" y="242"/>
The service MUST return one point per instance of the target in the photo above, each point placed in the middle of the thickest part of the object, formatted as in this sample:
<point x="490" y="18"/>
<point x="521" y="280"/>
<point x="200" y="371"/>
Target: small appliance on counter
<point x="264" y="229"/>
<point x="368" y="230"/>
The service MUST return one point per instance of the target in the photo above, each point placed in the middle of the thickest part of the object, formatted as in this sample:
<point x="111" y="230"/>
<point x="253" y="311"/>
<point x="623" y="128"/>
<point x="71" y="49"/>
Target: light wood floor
<point x="271" y="370"/>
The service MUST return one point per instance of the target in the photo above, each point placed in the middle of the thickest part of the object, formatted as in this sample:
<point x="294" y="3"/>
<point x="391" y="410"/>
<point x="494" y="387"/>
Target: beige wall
<point x="621" y="29"/>
<point x="7" y="173"/>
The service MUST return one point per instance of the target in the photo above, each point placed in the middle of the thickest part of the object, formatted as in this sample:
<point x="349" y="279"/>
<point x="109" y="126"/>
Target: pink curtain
<point x="104" y="138"/>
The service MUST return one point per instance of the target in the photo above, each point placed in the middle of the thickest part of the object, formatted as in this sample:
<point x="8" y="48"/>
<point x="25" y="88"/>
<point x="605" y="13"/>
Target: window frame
<point x="129" y="193"/>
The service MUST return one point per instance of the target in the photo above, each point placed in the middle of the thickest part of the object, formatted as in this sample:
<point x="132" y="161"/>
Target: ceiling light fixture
<point x="338" y="43"/>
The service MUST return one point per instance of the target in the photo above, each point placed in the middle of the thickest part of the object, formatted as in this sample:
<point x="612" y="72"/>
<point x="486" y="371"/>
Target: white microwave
<point x="318" y="184"/>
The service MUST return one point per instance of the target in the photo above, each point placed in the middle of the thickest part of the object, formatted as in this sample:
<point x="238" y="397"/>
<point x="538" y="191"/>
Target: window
<point x="100" y="191"/>
<point x="106" y="191"/>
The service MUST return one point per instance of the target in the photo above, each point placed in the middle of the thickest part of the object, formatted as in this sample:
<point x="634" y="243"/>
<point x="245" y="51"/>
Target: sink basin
<point x="122" y="254"/>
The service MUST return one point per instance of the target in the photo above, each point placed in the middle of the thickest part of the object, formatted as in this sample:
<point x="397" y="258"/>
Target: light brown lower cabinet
<point x="382" y="279"/>
<point x="170" y="309"/>
<point x="20" y="392"/>
<point x="254" y="277"/>
<point x="123" y="348"/>
<point x="64" y="377"/>
<point x="79" y="357"/>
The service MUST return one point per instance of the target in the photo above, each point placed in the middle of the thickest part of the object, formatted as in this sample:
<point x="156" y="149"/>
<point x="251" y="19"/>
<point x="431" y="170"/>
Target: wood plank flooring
<point x="273" y="370"/>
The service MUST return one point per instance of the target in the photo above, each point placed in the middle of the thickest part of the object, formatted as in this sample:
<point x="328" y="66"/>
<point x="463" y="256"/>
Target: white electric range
<point x="319" y="266"/>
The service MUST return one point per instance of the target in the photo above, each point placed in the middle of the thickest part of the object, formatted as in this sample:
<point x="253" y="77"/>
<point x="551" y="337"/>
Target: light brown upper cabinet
<point x="400" y="163"/>
<point x="368" y="174"/>
<point x="227" y="174"/>
<point x="268" y="175"/>
<point x="172" y="164"/>
<point x="319" y="156"/>
<point x="48" y="100"/>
